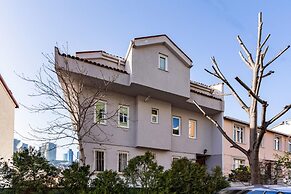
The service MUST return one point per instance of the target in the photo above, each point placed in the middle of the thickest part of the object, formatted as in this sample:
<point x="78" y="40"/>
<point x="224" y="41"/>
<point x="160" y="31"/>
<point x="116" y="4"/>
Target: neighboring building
<point x="49" y="151"/>
<point x="153" y="97"/>
<point x="7" y="108"/>
<point x="274" y="144"/>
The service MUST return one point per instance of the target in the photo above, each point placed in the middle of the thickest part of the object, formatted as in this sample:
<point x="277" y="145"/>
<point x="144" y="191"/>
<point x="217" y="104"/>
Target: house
<point x="7" y="108"/>
<point x="274" y="144"/>
<point x="152" y="96"/>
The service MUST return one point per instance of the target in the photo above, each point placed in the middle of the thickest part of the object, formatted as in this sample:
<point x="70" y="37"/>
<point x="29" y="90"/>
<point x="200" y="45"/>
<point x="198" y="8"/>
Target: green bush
<point x="144" y="172"/>
<point x="108" y="182"/>
<point x="75" y="179"/>
<point x="241" y="174"/>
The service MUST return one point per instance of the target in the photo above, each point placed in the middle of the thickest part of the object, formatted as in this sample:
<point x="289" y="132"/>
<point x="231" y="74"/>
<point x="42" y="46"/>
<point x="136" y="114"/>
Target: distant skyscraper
<point x="18" y="145"/>
<point x="49" y="151"/>
<point x="70" y="155"/>
<point x="65" y="157"/>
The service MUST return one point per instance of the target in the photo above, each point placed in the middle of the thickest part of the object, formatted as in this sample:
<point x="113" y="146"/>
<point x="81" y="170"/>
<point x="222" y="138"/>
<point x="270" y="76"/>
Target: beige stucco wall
<point x="7" y="107"/>
<point x="267" y="151"/>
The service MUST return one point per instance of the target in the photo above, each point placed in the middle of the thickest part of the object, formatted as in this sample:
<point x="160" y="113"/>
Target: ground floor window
<point x="99" y="160"/>
<point x="122" y="161"/>
<point x="238" y="162"/>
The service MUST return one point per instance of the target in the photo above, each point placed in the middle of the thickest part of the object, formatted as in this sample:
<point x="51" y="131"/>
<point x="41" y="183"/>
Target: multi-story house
<point x="7" y="108"/>
<point x="153" y="97"/>
<point x="274" y="144"/>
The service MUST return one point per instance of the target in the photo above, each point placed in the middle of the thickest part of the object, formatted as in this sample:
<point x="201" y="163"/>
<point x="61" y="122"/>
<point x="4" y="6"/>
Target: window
<point x="238" y="134"/>
<point x="100" y="112"/>
<point x="155" y="116"/>
<point x="289" y="145"/>
<point x="99" y="159"/>
<point x="176" y="125"/>
<point x="163" y="62"/>
<point x="122" y="161"/>
<point x="237" y="163"/>
<point x="123" y="116"/>
<point x="277" y="142"/>
<point x="174" y="158"/>
<point x="192" y="129"/>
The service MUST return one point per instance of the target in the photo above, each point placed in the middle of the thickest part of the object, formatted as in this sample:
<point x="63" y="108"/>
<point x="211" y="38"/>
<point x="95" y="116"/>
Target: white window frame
<point x="277" y="143"/>
<point x="174" y="157"/>
<point x="238" y="133"/>
<point x="157" y="116"/>
<point x="119" y="108"/>
<point x="104" y="120"/>
<point x="127" y="155"/>
<point x="180" y="125"/>
<point x="241" y="162"/>
<point x="166" y="62"/>
<point x="104" y="159"/>
<point x="195" y="132"/>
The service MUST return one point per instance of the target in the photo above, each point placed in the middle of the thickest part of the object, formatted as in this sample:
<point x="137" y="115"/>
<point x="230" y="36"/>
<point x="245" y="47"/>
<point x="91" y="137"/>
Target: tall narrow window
<point x="100" y="113"/>
<point x="122" y="161"/>
<point x="163" y="62"/>
<point x="99" y="161"/>
<point x="277" y="142"/>
<point x="192" y="129"/>
<point x="289" y="145"/>
<point x="176" y="123"/>
<point x="123" y="113"/>
<point x="155" y="115"/>
<point x="238" y="134"/>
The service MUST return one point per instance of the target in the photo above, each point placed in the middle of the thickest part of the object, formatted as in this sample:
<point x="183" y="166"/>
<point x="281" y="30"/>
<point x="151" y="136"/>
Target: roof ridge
<point x="91" y="62"/>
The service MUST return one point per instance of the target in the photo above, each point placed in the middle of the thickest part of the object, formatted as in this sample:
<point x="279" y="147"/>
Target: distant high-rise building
<point x="70" y="155"/>
<point x="19" y="145"/>
<point x="65" y="157"/>
<point x="49" y="151"/>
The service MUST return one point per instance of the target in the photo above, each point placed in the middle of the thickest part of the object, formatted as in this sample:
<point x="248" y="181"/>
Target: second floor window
<point x="192" y="129"/>
<point x="277" y="142"/>
<point x="176" y="124"/>
<point x="155" y="115"/>
<point x="100" y="112"/>
<point x="163" y="62"/>
<point x="238" y="134"/>
<point x="123" y="115"/>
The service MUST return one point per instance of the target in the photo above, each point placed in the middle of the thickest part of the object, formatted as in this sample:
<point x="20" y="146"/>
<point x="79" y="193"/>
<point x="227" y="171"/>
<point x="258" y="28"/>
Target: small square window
<point x="163" y="62"/>
<point x="155" y="115"/>
<point x="176" y="125"/>
<point x="123" y="116"/>
<point x="100" y="112"/>
<point x="238" y="163"/>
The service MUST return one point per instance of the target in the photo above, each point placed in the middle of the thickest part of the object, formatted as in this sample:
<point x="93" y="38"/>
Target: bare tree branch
<point x="276" y="57"/>
<point x="250" y="58"/>
<point x="234" y="144"/>
<point x="277" y="116"/>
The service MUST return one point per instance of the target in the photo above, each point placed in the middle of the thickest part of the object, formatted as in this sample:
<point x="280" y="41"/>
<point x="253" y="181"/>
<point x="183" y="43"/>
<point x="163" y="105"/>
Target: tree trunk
<point x="82" y="154"/>
<point x="254" y="166"/>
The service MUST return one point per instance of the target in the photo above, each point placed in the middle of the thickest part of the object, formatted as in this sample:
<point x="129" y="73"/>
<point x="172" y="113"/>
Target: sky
<point x="201" y="28"/>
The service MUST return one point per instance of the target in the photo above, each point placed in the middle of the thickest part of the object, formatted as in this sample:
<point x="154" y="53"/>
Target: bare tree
<point x="257" y="127"/>
<point x="64" y="94"/>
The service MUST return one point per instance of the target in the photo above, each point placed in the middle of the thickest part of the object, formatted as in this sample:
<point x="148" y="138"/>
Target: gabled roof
<point x="88" y="61"/>
<point x="8" y="91"/>
<point x="163" y="39"/>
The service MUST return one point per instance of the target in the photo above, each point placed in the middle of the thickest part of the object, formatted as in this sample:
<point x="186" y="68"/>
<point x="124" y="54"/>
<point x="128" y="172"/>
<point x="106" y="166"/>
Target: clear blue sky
<point x="202" y="29"/>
